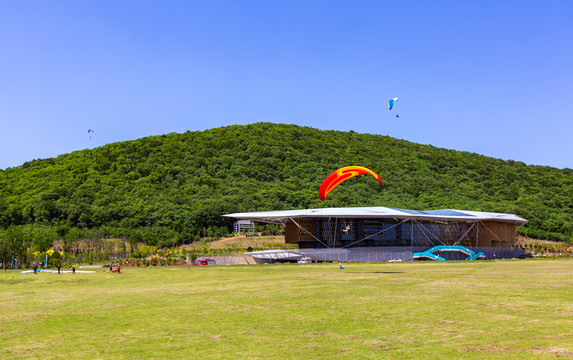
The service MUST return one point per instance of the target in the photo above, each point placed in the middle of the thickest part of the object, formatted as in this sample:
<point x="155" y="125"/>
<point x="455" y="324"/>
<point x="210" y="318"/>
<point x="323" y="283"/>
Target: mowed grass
<point x="519" y="309"/>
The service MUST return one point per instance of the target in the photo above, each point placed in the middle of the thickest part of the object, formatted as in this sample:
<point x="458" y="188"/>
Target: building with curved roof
<point x="382" y="233"/>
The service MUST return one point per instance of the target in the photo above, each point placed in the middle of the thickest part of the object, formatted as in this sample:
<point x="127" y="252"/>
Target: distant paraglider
<point x="334" y="179"/>
<point x="391" y="105"/>
<point x="90" y="132"/>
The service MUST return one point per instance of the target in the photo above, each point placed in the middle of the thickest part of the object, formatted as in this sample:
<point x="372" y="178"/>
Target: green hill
<point x="173" y="188"/>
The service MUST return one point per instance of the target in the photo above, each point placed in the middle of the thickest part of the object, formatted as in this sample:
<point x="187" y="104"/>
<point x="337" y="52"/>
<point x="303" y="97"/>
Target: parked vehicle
<point x="304" y="260"/>
<point x="205" y="262"/>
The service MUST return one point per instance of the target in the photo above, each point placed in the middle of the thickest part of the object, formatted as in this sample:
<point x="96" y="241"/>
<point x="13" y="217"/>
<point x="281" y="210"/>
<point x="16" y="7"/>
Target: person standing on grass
<point x="58" y="269"/>
<point x="73" y="269"/>
<point x="35" y="268"/>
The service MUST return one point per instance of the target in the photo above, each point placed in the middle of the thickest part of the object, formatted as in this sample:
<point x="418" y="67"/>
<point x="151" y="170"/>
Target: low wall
<point x="230" y="260"/>
<point x="372" y="254"/>
<point x="404" y="253"/>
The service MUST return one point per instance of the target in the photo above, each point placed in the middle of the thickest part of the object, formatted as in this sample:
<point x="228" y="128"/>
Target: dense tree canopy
<point x="174" y="188"/>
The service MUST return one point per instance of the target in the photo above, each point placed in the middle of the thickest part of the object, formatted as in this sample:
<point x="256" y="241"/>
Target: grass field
<point x="520" y="309"/>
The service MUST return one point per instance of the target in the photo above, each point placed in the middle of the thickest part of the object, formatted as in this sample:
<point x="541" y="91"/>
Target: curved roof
<point x="278" y="217"/>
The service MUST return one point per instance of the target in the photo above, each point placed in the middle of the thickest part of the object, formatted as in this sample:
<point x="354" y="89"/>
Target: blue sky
<point x="490" y="77"/>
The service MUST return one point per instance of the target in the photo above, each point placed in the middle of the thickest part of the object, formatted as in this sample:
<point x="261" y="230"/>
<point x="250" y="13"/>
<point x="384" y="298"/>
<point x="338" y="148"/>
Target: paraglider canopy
<point x="391" y="103"/>
<point x="340" y="175"/>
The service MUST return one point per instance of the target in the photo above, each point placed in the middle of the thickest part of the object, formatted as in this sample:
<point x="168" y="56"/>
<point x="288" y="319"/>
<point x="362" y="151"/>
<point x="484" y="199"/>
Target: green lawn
<point x="519" y="309"/>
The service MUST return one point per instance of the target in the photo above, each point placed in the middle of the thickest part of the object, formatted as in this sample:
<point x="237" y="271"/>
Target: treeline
<point x="173" y="189"/>
<point x="28" y="244"/>
<point x="23" y="245"/>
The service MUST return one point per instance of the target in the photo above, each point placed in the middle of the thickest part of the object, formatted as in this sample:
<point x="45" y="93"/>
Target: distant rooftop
<point x="244" y="222"/>
<point x="278" y="217"/>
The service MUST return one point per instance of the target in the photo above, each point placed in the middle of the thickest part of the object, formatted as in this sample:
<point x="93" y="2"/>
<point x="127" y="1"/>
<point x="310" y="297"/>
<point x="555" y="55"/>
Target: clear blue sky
<point x="490" y="77"/>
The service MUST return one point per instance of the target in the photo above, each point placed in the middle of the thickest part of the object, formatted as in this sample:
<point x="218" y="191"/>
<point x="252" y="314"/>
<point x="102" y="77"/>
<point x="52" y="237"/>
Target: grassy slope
<point x="244" y="242"/>
<point x="494" y="310"/>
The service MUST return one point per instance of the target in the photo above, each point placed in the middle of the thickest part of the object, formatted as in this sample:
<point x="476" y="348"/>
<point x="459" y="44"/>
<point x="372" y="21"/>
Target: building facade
<point x="379" y="233"/>
<point x="244" y="226"/>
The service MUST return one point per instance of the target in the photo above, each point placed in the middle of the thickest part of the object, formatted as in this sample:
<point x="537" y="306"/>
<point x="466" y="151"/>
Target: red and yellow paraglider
<point x="340" y="175"/>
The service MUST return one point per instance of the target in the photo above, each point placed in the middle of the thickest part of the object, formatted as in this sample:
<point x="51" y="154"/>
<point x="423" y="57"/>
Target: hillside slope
<point x="180" y="184"/>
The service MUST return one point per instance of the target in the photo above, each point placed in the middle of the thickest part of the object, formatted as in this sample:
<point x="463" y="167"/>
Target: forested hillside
<point x="172" y="189"/>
